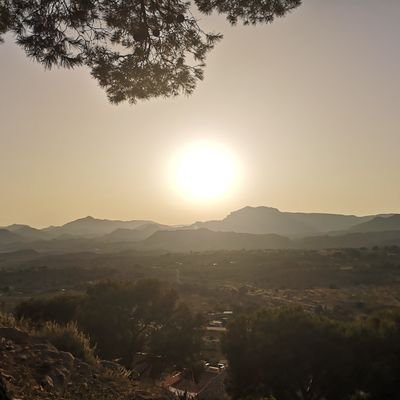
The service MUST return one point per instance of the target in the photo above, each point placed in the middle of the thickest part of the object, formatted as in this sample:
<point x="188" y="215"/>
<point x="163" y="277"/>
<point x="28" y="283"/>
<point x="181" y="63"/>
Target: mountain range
<point x="267" y="220"/>
<point x="247" y="228"/>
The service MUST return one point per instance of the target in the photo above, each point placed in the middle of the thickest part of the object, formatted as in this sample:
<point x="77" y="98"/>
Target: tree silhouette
<point x="136" y="49"/>
<point x="290" y="355"/>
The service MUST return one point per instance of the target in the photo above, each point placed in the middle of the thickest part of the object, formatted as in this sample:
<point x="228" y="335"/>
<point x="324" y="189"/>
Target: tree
<point x="60" y="309"/>
<point x="120" y="318"/>
<point x="136" y="49"/>
<point x="376" y="341"/>
<point x="290" y="355"/>
<point x="180" y="340"/>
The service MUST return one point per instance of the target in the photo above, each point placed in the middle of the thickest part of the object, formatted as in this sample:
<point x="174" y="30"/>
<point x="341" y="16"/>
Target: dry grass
<point x="64" y="337"/>
<point x="70" y="339"/>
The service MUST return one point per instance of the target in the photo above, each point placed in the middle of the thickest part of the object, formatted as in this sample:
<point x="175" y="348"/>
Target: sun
<point x="205" y="171"/>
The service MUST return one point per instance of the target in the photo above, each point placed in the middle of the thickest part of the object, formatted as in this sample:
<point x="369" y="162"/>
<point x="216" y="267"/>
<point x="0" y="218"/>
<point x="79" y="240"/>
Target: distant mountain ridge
<point x="379" y="224"/>
<point x="207" y="240"/>
<point x="267" y="220"/>
<point x="92" y="227"/>
<point x="27" y="232"/>
<point x="7" y="237"/>
<point x="247" y="228"/>
<point x="133" y="235"/>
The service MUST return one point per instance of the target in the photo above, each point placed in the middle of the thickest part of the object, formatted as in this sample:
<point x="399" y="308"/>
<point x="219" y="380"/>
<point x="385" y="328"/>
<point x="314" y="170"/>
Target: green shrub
<point x="68" y="338"/>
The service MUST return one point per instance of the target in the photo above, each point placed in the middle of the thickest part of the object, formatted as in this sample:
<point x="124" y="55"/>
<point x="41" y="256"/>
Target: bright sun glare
<point x="205" y="171"/>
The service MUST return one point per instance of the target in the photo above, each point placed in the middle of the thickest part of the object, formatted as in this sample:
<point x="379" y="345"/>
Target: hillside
<point x="350" y="240"/>
<point x="32" y="368"/>
<point x="134" y="235"/>
<point x="92" y="227"/>
<point x="28" y="232"/>
<point x="207" y="240"/>
<point x="7" y="237"/>
<point x="247" y="228"/>
<point x="325" y="223"/>
<point x="379" y="224"/>
<point x="267" y="220"/>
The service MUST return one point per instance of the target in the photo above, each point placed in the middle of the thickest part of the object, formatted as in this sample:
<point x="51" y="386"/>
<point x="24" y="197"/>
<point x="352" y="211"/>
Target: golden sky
<point x="309" y="105"/>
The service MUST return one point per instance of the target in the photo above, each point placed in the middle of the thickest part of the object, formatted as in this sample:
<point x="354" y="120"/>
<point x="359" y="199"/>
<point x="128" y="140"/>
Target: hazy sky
<point x="309" y="105"/>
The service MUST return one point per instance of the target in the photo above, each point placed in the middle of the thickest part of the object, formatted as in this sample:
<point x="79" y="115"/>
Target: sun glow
<point x="205" y="171"/>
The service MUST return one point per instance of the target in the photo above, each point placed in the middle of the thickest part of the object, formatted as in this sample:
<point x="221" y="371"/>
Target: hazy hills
<point x="247" y="228"/>
<point x="206" y="240"/>
<point x="92" y="227"/>
<point x="7" y="237"/>
<point x="266" y="220"/>
<point x="379" y="224"/>
<point x="133" y="235"/>
<point x="27" y="232"/>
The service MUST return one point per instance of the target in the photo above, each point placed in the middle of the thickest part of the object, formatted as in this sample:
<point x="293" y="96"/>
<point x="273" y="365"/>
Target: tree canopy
<point x="122" y="319"/>
<point x="290" y="354"/>
<point x="136" y="49"/>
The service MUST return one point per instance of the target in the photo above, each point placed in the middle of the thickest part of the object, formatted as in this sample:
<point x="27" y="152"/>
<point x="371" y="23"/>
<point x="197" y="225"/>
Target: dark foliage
<point x="180" y="339"/>
<point x="136" y="49"/>
<point x="290" y="354"/>
<point x="124" y="318"/>
<point x="121" y="317"/>
<point x="60" y="309"/>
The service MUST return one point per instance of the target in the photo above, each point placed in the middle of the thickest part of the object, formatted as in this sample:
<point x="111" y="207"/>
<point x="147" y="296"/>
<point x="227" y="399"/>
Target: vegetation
<point x="68" y="338"/>
<point x="135" y="49"/>
<point x="65" y="337"/>
<point x="291" y="354"/>
<point x="60" y="309"/>
<point x="9" y="320"/>
<point x="123" y="319"/>
<point x="303" y="324"/>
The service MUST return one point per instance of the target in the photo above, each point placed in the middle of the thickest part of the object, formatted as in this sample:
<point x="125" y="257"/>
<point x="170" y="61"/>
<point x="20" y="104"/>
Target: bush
<point x="8" y="321"/>
<point x="60" y="309"/>
<point x="68" y="338"/>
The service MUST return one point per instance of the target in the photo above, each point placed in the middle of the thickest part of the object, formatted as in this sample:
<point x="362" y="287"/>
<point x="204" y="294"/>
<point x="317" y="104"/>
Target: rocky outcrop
<point x="31" y="369"/>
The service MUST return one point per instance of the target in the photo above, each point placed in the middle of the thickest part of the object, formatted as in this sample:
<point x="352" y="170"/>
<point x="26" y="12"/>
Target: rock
<point x="59" y="376"/>
<point x="43" y="347"/>
<point x="32" y="370"/>
<point x="7" y="377"/>
<point x="3" y="391"/>
<point x="47" y="382"/>
<point x="110" y="365"/>
<point x="67" y="358"/>
<point x="15" y="335"/>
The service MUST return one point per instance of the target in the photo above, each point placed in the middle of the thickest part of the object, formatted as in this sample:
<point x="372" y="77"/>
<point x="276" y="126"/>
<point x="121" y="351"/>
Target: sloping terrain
<point x="266" y="220"/>
<point x="133" y="235"/>
<point x="379" y="224"/>
<point x="7" y="237"/>
<point x="27" y="232"/>
<point x="207" y="240"/>
<point x="350" y="240"/>
<point x="92" y="227"/>
<point x="31" y="369"/>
